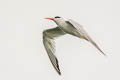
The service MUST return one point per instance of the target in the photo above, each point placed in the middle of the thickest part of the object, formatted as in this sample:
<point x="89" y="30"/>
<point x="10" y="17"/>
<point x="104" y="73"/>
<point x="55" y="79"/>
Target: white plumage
<point x="64" y="27"/>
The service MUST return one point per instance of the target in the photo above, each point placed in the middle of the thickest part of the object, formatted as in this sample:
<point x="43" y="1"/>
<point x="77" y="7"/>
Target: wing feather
<point x="49" y="44"/>
<point x="84" y="34"/>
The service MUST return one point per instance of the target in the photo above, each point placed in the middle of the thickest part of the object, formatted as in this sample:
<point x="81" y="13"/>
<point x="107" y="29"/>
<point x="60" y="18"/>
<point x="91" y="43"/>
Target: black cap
<point x="57" y="17"/>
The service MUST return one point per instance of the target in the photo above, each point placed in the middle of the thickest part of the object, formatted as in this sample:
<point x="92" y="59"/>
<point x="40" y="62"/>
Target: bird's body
<point x="67" y="27"/>
<point x="64" y="27"/>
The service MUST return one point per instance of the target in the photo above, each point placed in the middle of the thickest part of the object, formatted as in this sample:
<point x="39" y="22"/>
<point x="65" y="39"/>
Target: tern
<point x="63" y="27"/>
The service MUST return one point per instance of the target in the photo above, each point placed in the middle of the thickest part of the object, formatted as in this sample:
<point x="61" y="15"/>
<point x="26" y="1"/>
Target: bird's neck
<point x="61" y="23"/>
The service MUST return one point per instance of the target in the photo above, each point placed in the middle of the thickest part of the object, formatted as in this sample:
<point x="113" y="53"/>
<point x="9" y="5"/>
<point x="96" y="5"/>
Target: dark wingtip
<point x="58" y="67"/>
<point x="59" y="73"/>
<point x="104" y="54"/>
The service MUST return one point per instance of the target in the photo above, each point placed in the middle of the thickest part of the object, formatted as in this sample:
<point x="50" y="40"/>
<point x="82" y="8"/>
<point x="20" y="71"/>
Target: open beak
<point x="49" y="18"/>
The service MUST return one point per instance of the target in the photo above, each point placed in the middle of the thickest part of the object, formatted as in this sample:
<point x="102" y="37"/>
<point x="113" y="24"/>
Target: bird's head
<point x="56" y="19"/>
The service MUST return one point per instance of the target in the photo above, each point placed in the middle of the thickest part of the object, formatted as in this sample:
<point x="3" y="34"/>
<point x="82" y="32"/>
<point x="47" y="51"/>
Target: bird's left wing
<point x="83" y="33"/>
<point x="49" y="44"/>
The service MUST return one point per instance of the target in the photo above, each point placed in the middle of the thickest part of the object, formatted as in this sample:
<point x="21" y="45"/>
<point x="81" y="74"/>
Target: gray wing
<point x="83" y="34"/>
<point x="49" y="44"/>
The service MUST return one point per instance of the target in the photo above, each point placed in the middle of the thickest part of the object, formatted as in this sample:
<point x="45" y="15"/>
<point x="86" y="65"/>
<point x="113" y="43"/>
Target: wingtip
<point x="59" y="73"/>
<point x="104" y="54"/>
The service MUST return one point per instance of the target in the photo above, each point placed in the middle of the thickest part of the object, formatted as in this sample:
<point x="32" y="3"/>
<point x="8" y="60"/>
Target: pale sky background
<point x="22" y="54"/>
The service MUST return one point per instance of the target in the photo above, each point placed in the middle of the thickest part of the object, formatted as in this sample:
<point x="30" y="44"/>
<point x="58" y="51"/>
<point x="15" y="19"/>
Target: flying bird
<point x="63" y="27"/>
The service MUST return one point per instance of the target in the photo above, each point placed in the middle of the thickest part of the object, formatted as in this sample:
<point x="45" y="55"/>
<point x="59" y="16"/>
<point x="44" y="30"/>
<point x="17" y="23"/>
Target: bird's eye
<point x="57" y="17"/>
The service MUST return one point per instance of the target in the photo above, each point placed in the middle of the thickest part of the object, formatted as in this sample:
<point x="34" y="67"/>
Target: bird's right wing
<point x="49" y="44"/>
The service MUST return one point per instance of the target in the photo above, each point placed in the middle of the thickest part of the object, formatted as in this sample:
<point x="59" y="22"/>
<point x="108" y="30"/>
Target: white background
<point x="22" y="54"/>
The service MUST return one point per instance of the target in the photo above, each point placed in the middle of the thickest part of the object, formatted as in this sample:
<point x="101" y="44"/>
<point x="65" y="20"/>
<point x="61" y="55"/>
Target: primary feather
<point x="49" y="44"/>
<point x="83" y="34"/>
